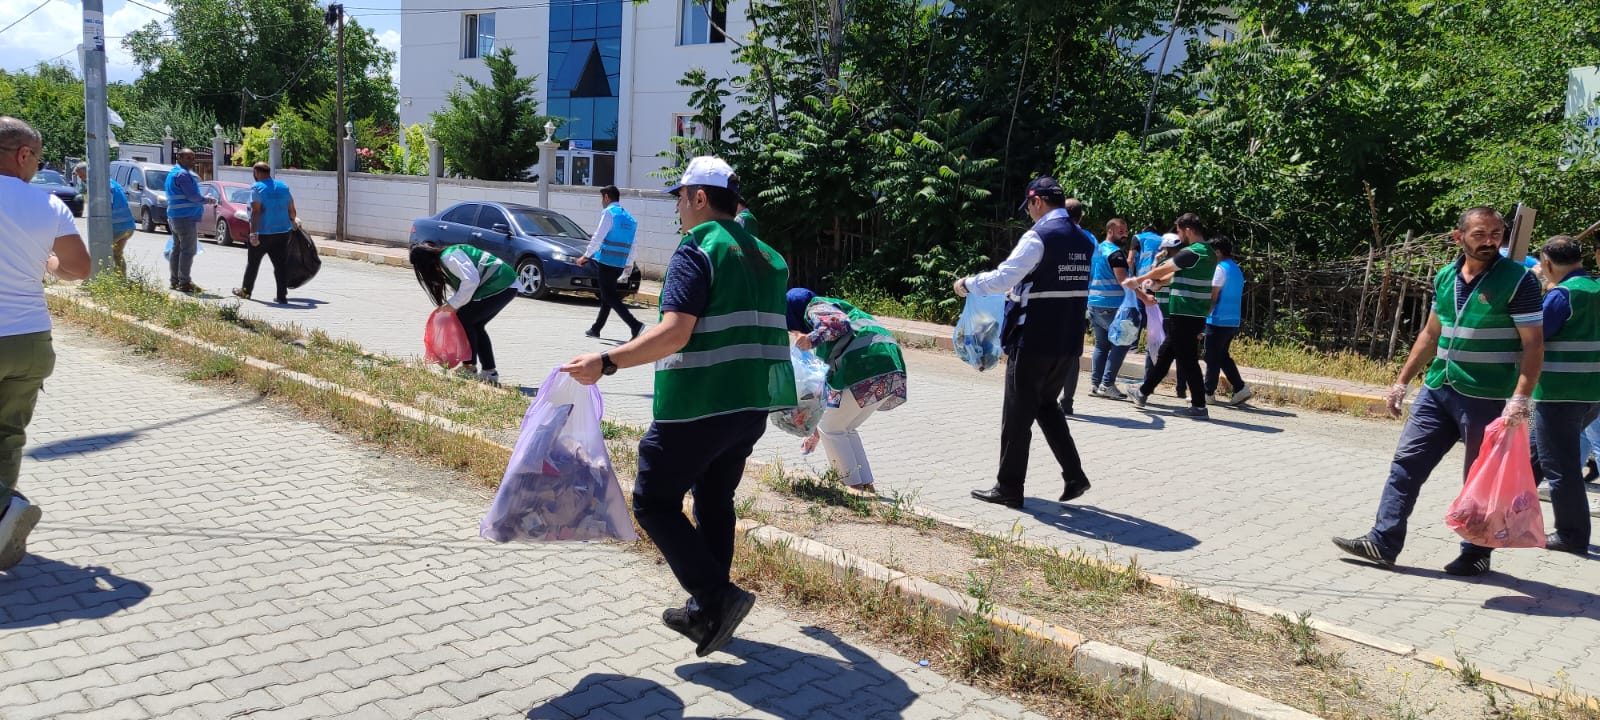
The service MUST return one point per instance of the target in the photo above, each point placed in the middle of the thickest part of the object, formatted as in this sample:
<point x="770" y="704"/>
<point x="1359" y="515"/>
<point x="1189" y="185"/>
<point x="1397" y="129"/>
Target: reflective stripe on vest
<point x="1479" y="349"/>
<point x="1572" y="356"/>
<point x="178" y="204"/>
<point x="1104" y="290"/>
<point x="1191" y="287"/>
<point x="618" y="242"/>
<point x="737" y="357"/>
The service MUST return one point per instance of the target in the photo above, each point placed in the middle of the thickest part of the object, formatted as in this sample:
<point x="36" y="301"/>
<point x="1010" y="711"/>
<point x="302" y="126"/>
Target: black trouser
<point x="1557" y="434"/>
<point x="706" y="457"/>
<point x="1182" y="345"/>
<point x="274" y="246"/>
<point x="610" y="299"/>
<point x="1033" y="384"/>
<point x="1218" y="360"/>
<point x="475" y="319"/>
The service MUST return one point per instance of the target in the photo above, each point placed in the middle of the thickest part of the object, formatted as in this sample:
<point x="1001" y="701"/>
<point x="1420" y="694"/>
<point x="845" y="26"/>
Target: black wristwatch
<point x="606" y="366"/>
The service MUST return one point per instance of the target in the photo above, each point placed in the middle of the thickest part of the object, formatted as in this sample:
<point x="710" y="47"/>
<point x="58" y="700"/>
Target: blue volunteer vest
<point x="178" y="204"/>
<point x="1149" y="246"/>
<point x="1228" y="312"/>
<point x="1046" y="316"/>
<point x="121" y="216"/>
<point x="1104" y="290"/>
<point x="617" y="243"/>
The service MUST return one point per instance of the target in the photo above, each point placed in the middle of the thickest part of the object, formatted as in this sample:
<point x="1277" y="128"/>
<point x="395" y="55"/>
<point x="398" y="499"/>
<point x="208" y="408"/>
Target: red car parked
<point x="229" y="220"/>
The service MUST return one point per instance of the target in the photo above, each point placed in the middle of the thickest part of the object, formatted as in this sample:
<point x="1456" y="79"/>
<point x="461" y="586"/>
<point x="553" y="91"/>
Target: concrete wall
<point x="383" y="206"/>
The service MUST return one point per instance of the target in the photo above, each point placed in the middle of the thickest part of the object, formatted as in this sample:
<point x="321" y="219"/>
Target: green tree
<point x="191" y="126"/>
<point x="488" y="131"/>
<point x="245" y="60"/>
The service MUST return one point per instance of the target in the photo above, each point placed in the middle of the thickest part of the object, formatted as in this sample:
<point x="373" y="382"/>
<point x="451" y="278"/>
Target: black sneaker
<point x="1555" y="543"/>
<point x="1591" y="471"/>
<point x="736" y="603"/>
<point x="1364" y="548"/>
<point x="1468" y="564"/>
<point x="591" y="333"/>
<point x="686" y="621"/>
<point x="1198" y="413"/>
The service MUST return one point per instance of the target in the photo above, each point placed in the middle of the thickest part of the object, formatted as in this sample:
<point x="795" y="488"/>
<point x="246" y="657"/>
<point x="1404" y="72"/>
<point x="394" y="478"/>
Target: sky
<point x="54" y="31"/>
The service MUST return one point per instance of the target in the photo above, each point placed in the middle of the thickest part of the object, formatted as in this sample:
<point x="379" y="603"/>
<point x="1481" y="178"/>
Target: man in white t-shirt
<point x="36" y="235"/>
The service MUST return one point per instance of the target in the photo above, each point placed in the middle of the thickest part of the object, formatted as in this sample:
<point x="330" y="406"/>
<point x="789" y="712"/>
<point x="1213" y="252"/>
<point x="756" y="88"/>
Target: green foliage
<point x="255" y="147"/>
<point x="489" y="131"/>
<point x="310" y="135"/>
<point x="191" y="126"/>
<point x="395" y="160"/>
<point x="50" y="99"/>
<point x="247" y="60"/>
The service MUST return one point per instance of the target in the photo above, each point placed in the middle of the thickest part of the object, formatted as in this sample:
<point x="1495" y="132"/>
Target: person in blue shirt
<point x="185" y="205"/>
<point x="122" y="224"/>
<point x="272" y="221"/>
<point x="1108" y="268"/>
<point x="612" y="248"/>
<point x="1227" y="301"/>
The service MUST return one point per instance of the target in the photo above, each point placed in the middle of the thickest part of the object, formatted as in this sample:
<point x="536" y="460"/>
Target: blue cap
<point x="798" y="299"/>
<point x="1044" y="187"/>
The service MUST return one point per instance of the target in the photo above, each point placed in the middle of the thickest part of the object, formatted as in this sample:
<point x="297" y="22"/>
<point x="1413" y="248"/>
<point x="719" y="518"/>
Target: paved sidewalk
<point x="205" y="556"/>
<point x="1243" y="503"/>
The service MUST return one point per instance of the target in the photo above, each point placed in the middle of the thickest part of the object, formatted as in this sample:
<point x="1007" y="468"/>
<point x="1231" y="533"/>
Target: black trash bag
<point x="300" y="259"/>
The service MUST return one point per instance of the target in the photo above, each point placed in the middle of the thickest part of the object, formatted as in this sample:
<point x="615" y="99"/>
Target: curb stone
<point x="1206" y="697"/>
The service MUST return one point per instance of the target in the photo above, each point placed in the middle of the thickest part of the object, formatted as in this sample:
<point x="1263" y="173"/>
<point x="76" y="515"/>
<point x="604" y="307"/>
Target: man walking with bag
<point x="1483" y="343"/>
<point x="1048" y="275"/>
<point x="1189" y="302"/>
<point x="185" y="205"/>
<point x="722" y="364"/>
<point x="1106" y="295"/>
<point x="1567" y="399"/>
<point x="272" y="221"/>
<point x="36" y="235"/>
<point x="612" y="249"/>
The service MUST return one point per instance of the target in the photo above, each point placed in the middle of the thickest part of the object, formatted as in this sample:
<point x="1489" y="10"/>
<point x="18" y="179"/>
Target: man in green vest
<point x="1567" y="399"/>
<point x="1186" y="310"/>
<point x="1482" y="347"/>
<point x="721" y="353"/>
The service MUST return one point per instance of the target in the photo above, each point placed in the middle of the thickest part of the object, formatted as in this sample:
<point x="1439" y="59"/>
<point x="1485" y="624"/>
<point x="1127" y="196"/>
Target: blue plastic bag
<point x="1124" y="330"/>
<point x="977" y="334"/>
<point x="811" y="387"/>
<point x="166" y="252"/>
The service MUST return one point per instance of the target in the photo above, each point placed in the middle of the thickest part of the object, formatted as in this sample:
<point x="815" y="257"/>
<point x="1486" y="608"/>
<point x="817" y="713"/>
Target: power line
<point x="24" y="17"/>
<point x="153" y="9"/>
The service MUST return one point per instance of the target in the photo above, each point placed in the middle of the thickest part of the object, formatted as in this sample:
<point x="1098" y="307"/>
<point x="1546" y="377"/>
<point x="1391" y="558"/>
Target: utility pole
<point x="335" y="17"/>
<point x="97" y="137"/>
<point x="1161" y="67"/>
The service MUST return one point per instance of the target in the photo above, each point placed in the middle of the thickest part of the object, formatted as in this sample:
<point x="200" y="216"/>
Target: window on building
<point x="700" y="22"/>
<point x="477" y="35"/>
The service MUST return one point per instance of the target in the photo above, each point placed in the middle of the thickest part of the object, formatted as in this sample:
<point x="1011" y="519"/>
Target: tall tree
<point x="489" y="131"/>
<point x="243" y="60"/>
<point x="50" y="98"/>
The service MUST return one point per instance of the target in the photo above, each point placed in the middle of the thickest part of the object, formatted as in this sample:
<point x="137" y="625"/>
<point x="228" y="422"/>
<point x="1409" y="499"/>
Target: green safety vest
<point x="1572" y="357"/>
<point x="738" y="356"/>
<point x="867" y="352"/>
<point x="1191" y="288"/>
<point x="1479" y="351"/>
<point x="494" y="276"/>
<point x="748" y="220"/>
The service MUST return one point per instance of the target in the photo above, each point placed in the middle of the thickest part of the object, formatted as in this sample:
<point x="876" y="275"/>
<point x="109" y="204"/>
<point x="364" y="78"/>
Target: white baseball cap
<point x="707" y="170"/>
<point x="1170" y="240"/>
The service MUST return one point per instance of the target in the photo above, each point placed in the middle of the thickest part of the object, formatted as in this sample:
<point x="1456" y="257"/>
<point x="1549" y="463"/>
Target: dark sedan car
<point x="57" y="185"/>
<point x="543" y="246"/>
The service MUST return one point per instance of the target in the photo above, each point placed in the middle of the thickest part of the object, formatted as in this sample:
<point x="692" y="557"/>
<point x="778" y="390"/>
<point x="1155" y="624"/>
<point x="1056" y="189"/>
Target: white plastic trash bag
<point x="560" y="485"/>
<point x="810" y="385"/>
<point x="977" y="334"/>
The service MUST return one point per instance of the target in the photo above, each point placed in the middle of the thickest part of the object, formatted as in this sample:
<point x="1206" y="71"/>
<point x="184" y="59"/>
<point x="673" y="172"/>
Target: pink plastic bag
<point x="1154" y="331"/>
<point x="560" y="484"/>
<point x="1499" y="507"/>
<point x="444" y="342"/>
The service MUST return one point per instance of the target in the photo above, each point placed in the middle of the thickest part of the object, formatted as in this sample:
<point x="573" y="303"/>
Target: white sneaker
<point x="1096" y="391"/>
<point x="1594" y="509"/>
<point x="491" y="377"/>
<point x="15" y="524"/>
<point x="1111" y="392"/>
<point x="1242" y="395"/>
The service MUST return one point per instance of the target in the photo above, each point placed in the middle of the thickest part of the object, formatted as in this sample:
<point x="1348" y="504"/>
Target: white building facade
<point x="610" y="68"/>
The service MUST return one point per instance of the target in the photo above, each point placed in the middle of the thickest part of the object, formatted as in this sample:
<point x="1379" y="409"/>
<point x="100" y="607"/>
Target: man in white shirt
<point x="36" y="235"/>
<point x="612" y="249"/>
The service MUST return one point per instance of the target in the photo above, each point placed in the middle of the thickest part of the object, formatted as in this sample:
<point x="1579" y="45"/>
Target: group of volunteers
<point x="1503" y="340"/>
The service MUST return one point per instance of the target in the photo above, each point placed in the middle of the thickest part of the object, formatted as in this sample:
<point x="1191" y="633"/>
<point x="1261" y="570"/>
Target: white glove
<point x="1396" y="398"/>
<point x="1516" y="411"/>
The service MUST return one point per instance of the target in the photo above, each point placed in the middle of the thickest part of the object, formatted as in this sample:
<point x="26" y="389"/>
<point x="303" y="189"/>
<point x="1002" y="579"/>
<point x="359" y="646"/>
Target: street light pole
<point x="97" y="135"/>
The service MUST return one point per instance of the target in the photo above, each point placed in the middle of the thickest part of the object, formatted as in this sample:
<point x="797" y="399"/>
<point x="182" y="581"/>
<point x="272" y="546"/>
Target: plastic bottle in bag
<point x="977" y="333"/>
<point x="810" y="384"/>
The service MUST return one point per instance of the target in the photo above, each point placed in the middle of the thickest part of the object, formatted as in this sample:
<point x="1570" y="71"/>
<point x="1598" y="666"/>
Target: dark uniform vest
<point x="1045" y="315"/>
